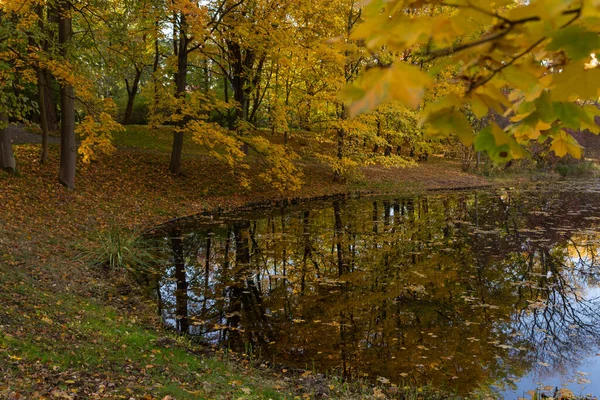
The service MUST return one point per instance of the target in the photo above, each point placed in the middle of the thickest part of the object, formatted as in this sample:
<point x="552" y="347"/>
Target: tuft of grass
<point x="120" y="249"/>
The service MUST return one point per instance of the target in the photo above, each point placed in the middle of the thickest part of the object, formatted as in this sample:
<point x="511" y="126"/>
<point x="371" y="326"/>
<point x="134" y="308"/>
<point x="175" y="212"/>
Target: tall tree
<point x="42" y="84"/>
<point x="68" y="146"/>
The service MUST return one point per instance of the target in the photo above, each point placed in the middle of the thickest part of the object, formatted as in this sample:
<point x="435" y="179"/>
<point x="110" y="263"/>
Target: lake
<point x="488" y="291"/>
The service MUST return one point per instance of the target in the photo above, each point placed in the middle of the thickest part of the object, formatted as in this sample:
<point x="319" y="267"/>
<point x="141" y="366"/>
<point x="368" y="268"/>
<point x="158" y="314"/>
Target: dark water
<point x="467" y="291"/>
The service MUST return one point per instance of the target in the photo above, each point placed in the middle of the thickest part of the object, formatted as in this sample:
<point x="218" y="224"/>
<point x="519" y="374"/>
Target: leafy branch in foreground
<point x="531" y="62"/>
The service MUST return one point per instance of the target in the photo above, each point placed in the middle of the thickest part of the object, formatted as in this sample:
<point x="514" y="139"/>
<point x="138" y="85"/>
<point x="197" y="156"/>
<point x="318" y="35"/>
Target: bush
<point x="139" y="116"/>
<point x="579" y="169"/>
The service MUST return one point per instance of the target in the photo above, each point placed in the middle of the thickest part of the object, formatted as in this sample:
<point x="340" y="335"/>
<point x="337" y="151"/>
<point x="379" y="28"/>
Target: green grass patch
<point x="59" y="335"/>
<point x="159" y="139"/>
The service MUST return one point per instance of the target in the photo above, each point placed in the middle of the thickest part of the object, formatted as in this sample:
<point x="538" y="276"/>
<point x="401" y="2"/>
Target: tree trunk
<point x="42" y="84"/>
<point x="131" y="94"/>
<point x="68" y="148"/>
<point x="43" y="115"/>
<point x="341" y="136"/>
<point x="7" y="159"/>
<point x="180" y="82"/>
<point x="51" y="112"/>
<point x="181" y="291"/>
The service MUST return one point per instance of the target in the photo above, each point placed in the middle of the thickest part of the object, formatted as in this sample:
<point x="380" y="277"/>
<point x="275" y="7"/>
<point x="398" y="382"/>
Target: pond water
<point x="479" y="291"/>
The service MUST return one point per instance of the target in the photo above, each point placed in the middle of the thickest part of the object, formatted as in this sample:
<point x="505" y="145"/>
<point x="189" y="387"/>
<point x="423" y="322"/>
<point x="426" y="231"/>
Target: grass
<point x="159" y="139"/>
<point x="71" y="341"/>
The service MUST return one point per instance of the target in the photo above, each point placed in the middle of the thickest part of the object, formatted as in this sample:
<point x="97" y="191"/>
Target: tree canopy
<point x="373" y="82"/>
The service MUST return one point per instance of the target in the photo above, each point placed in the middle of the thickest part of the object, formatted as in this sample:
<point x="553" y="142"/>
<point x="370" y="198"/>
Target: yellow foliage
<point x="96" y="133"/>
<point x="507" y="57"/>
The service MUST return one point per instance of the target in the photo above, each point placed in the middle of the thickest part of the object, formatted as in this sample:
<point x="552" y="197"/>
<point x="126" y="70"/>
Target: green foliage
<point x="579" y="169"/>
<point x="141" y="109"/>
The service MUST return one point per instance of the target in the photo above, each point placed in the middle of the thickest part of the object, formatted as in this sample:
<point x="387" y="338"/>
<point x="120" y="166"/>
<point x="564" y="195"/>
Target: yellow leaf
<point x="542" y="126"/>
<point x="519" y="78"/>
<point x="479" y="107"/>
<point x="449" y="121"/>
<point x="565" y="144"/>
<point x="493" y="97"/>
<point x="500" y="137"/>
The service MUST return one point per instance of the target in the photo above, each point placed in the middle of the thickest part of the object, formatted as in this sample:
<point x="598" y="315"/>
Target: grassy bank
<point x="71" y="330"/>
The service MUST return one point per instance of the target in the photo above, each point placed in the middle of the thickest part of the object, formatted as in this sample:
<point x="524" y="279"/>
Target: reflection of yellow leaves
<point x="565" y="393"/>
<point x="543" y="364"/>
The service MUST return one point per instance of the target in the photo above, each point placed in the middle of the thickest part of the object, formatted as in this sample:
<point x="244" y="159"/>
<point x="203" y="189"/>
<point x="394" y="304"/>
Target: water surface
<point x="467" y="291"/>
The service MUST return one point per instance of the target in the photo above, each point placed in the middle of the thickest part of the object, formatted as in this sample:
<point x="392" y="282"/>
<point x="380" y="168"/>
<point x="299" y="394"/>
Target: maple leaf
<point x="564" y="144"/>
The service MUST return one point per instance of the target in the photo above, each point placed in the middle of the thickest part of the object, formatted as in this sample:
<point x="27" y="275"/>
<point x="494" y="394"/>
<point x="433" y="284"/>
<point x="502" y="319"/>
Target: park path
<point x="19" y="135"/>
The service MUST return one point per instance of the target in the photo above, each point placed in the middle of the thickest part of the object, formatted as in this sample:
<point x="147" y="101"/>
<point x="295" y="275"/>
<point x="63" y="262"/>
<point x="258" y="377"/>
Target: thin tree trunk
<point x="341" y="136"/>
<point x="52" y="16"/>
<point x="7" y="159"/>
<point x="43" y="115"/>
<point x="68" y="149"/>
<point x="131" y="94"/>
<point x="155" y="64"/>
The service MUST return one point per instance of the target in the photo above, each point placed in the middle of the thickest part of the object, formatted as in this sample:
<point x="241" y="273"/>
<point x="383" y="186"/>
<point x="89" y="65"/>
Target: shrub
<point x="579" y="169"/>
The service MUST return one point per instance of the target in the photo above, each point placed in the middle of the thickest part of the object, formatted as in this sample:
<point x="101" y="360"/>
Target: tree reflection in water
<point x="461" y="290"/>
